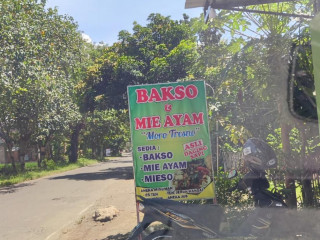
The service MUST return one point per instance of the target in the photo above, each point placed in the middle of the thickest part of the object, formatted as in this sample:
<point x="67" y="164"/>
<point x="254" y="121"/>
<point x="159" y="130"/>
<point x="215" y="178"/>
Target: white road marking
<point x="54" y="233"/>
<point x="84" y="210"/>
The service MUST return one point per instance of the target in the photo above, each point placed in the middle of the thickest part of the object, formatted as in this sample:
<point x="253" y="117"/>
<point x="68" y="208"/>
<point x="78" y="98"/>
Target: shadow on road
<point x="117" y="237"/>
<point x="14" y="188"/>
<point x="124" y="173"/>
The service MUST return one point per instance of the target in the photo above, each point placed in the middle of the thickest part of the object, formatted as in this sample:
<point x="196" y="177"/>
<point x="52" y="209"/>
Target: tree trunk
<point x="22" y="152"/>
<point x="290" y="185"/>
<point x="74" y="146"/>
<point x="306" y="177"/>
<point x="48" y="150"/>
<point x="290" y="181"/>
<point x="13" y="163"/>
<point x="93" y="152"/>
<point x="307" y="192"/>
<point x="101" y="152"/>
<point x="56" y="155"/>
<point x="38" y="148"/>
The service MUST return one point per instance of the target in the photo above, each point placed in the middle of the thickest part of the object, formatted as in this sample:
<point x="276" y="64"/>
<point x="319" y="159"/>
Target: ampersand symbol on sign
<point x="168" y="107"/>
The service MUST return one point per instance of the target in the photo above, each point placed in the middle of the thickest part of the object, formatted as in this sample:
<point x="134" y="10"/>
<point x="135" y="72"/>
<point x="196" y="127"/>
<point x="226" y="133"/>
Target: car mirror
<point x="232" y="174"/>
<point x="302" y="93"/>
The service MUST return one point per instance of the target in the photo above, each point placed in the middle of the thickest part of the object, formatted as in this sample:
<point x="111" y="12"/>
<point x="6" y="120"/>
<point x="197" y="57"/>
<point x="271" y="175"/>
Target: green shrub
<point x="6" y="170"/>
<point x="48" y="164"/>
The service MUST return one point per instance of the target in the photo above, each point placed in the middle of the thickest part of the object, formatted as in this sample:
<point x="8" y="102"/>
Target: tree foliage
<point x="40" y="55"/>
<point x="107" y="129"/>
<point x="162" y="51"/>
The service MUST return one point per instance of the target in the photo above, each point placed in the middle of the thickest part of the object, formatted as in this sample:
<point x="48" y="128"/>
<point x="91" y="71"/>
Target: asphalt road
<point x="39" y="209"/>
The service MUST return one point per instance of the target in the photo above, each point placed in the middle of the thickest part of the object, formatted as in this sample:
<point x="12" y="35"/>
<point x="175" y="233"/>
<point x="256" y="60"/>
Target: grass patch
<point x="32" y="171"/>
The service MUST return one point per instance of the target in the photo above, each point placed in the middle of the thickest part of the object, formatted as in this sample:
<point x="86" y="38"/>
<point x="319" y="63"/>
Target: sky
<point x="102" y="20"/>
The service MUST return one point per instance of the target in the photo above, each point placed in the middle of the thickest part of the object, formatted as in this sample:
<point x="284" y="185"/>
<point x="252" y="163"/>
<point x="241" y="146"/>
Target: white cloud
<point x="86" y="37"/>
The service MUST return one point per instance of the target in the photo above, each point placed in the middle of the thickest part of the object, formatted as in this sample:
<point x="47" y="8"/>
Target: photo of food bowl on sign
<point x="170" y="139"/>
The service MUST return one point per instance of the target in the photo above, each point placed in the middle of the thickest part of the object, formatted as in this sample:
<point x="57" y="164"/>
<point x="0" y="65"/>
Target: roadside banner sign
<point x="170" y="141"/>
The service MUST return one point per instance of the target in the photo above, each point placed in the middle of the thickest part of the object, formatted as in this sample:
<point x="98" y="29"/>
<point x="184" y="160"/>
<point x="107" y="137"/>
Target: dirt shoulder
<point x="121" y="196"/>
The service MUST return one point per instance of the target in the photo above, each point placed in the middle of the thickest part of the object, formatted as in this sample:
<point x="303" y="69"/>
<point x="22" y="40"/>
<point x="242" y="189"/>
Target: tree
<point x="39" y="60"/>
<point x="250" y="80"/>
<point x="162" y="51"/>
<point x="105" y="129"/>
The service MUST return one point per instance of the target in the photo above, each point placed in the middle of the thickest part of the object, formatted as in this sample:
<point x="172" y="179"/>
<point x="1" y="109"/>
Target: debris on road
<point x="105" y="214"/>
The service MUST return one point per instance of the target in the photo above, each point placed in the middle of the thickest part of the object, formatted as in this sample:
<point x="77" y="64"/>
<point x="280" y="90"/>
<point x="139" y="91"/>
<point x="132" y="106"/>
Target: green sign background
<point x="171" y="161"/>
